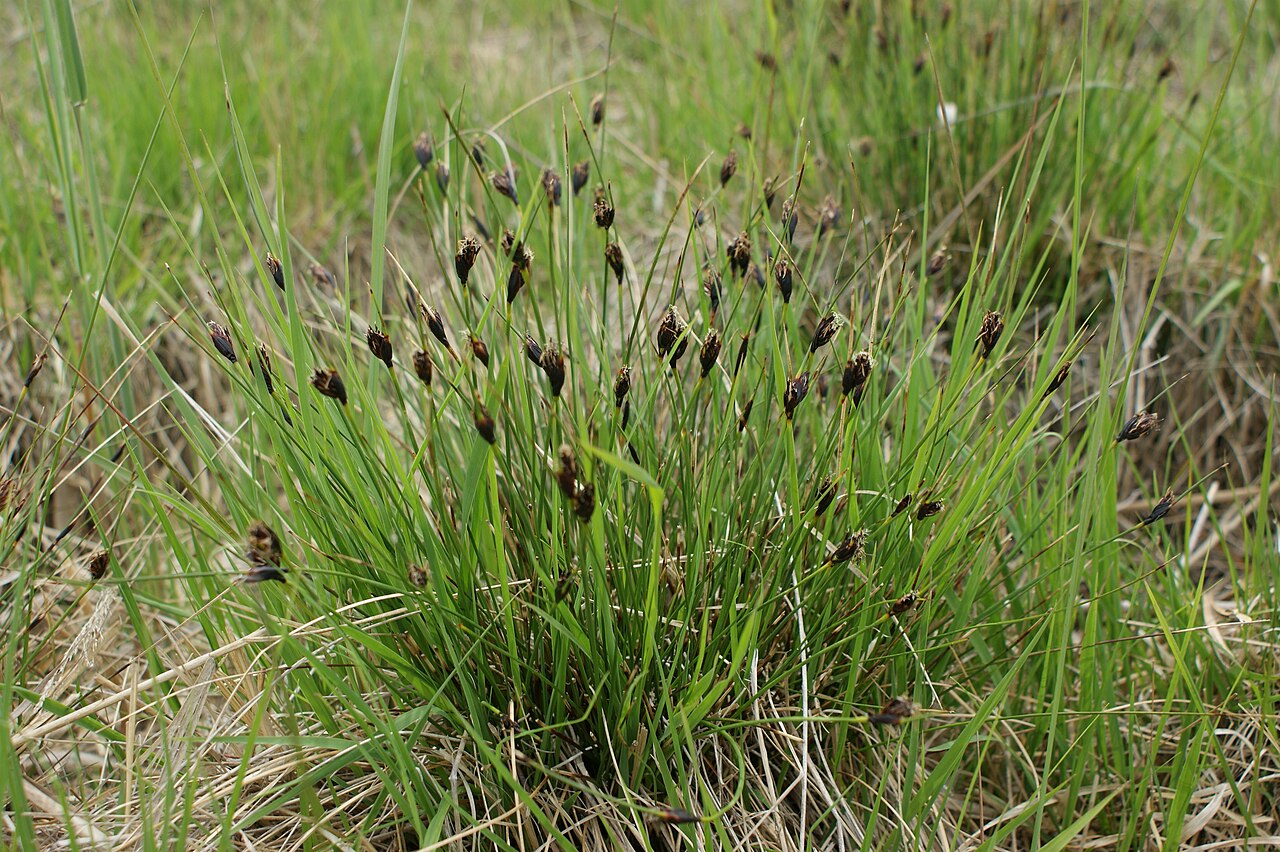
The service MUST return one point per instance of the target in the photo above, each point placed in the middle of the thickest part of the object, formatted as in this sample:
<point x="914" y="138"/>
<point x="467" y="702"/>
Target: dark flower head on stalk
<point x="856" y="372"/>
<point x="728" y="168"/>
<point x="442" y="176"/>
<point x="621" y="386"/>
<point x="435" y="324"/>
<point x="264" y="365"/>
<point x="504" y="183"/>
<point x="422" y="366"/>
<point x="479" y="350"/>
<point x="782" y="274"/>
<point x="894" y="712"/>
<point x="1140" y="424"/>
<point x="603" y="212"/>
<point x="710" y="352"/>
<point x="276" y="269"/>
<point x="670" y="330"/>
<point x="533" y="349"/>
<point x="329" y="383"/>
<point x="379" y="344"/>
<point x="221" y="337"/>
<point x="613" y="256"/>
<point x="989" y="333"/>
<point x="552" y="364"/>
<point x="739" y="252"/>
<point x="551" y="185"/>
<point x="711" y="285"/>
<point x="484" y="423"/>
<point x="424" y="149"/>
<point x="579" y="175"/>
<point x="597" y="110"/>
<point x="796" y="390"/>
<point x="826" y="330"/>
<point x="465" y="258"/>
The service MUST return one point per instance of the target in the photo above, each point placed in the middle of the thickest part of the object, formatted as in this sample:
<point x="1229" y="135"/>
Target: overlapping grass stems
<point x="648" y="604"/>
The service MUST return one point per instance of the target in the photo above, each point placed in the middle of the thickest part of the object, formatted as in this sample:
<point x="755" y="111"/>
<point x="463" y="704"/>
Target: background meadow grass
<point x="465" y="656"/>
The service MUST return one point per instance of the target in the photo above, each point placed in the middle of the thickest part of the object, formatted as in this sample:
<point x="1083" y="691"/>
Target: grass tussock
<point x="358" y="491"/>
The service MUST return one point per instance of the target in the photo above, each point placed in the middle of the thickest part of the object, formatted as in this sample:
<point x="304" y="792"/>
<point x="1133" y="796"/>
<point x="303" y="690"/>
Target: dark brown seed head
<point x="743" y="346"/>
<point x="580" y="175"/>
<point x="621" y="386"/>
<point x="379" y="345"/>
<point x="1166" y="71"/>
<point x="895" y="712"/>
<point x="221" y="337"/>
<point x="901" y="506"/>
<point x="754" y="273"/>
<point x="478" y="152"/>
<point x="262" y="545"/>
<point x="769" y="190"/>
<point x="989" y="333"/>
<point x="745" y="415"/>
<point x="532" y="349"/>
<point x="856" y="372"/>
<point x="479" y="350"/>
<point x="829" y="216"/>
<point x="904" y="604"/>
<point x="767" y="60"/>
<point x="418" y="576"/>
<point x="597" y="110"/>
<point x="789" y="218"/>
<point x="670" y="330"/>
<point x="567" y="473"/>
<point x="424" y="149"/>
<point x="329" y="383"/>
<point x="436" y="325"/>
<point x="322" y="276"/>
<point x="613" y="256"/>
<point x="442" y="176"/>
<point x="826" y="493"/>
<point x="743" y="130"/>
<point x="1160" y="509"/>
<point x="710" y="352"/>
<point x="1059" y="378"/>
<point x="508" y="241"/>
<point x="484" y="423"/>
<point x="504" y="183"/>
<point x="515" y="282"/>
<point x="711" y="285"/>
<point x="99" y="564"/>
<point x="552" y="363"/>
<point x="263" y="573"/>
<point x="264" y="366"/>
<point x="795" y="392"/>
<point x="584" y="504"/>
<point x="700" y="216"/>
<point x="852" y="549"/>
<point x="603" y="213"/>
<point x="422" y="366"/>
<point x="38" y="364"/>
<point x="1139" y="425"/>
<point x="739" y="252"/>
<point x="782" y="274"/>
<point x="928" y="509"/>
<point x="729" y="167"/>
<point x="937" y="262"/>
<point x="465" y="258"/>
<point x="276" y="269"/>
<point x="551" y="186"/>
<point x="826" y="330"/>
<point x="668" y="815"/>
